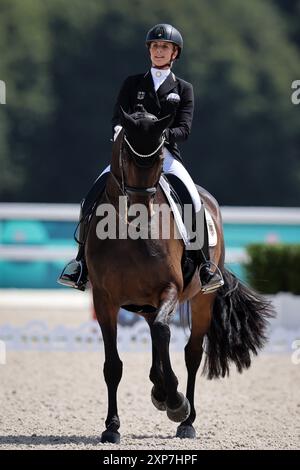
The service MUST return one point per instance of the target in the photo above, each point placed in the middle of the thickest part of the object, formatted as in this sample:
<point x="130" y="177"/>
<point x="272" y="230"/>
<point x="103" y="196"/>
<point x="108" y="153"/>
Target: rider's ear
<point x="175" y="52"/>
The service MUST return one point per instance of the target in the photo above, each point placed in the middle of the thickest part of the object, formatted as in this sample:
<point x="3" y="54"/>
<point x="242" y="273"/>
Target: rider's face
<point x="161" y="53"/>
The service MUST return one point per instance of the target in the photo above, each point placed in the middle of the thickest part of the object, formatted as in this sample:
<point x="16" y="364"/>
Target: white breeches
<point x="175" y="167"/>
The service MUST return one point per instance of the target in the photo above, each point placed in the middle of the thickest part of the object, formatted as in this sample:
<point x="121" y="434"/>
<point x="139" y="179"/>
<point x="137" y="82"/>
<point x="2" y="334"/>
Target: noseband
<point x="126" y="189"/>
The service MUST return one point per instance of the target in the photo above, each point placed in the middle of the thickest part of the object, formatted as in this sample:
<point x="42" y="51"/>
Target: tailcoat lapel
<point x="168" y="85"/>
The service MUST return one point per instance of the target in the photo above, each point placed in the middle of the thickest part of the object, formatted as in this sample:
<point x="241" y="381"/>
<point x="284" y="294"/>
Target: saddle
<point x="191" y="259"/>
<point x="176" y="194"/>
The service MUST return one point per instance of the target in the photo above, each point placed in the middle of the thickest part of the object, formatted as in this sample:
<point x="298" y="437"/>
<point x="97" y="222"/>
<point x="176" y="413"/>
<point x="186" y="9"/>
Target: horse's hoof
<point x="186" y="431"/>
<point x="160" y="405"/>
<point x="182" y="412"/>
<point x="110" y="436"/>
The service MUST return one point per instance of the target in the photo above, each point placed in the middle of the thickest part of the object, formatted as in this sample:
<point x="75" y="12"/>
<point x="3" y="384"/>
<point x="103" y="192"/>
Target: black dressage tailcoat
<point x="139" y="89"/>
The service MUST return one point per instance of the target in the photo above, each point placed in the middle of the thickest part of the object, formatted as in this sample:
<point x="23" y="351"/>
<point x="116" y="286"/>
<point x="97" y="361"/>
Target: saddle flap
<point x="211" y="229"/>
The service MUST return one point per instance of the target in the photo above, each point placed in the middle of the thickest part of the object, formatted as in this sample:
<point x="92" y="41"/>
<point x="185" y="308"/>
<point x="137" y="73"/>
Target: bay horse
<point x="148" y="273"/>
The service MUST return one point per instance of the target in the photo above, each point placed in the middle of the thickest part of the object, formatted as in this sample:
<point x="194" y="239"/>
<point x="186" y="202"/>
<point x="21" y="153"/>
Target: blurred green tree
<point x="64" y="63"/>
<point x="24" y="51"/>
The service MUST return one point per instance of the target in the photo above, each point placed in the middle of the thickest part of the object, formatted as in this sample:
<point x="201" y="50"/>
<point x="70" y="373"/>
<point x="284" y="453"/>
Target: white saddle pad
<point x="211" y="229"/>
<point x="212" y="233"/>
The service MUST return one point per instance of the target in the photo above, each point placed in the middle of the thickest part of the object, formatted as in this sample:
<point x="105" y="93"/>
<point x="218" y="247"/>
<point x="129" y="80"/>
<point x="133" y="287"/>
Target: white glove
<point x="117" y="130"/>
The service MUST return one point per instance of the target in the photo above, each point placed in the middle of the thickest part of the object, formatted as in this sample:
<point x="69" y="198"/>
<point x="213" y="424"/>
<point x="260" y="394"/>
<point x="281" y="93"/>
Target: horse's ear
<point x="126" y="120"/>
<point x="164" y="123"/>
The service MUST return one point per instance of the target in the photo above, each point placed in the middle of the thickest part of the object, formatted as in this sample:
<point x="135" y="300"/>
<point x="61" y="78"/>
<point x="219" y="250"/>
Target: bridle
<point x="144" y="155"/>
<point x="125" y="189"/>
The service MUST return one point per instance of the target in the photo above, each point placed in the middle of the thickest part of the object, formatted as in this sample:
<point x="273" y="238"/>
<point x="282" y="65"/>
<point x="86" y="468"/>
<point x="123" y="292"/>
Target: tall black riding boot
<point x="210" y="275"/>
<point x="75" y="274"/>
<point x="210" y="279"/>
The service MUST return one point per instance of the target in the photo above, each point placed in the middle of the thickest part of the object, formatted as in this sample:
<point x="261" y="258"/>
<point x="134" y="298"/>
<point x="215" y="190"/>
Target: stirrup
<point x="65" y="279"/>
<point x="213" y="286"/>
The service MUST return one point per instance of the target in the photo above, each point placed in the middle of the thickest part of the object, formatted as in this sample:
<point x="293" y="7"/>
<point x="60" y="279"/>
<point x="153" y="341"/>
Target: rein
<point x="125" y="189"/>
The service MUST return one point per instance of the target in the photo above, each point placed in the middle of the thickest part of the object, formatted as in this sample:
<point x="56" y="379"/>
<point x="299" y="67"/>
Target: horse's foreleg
<point x="178" y="408"/>
<point x="158" y="392"/>
<point x="201" y="314"/>
<point x="107" y="318"/>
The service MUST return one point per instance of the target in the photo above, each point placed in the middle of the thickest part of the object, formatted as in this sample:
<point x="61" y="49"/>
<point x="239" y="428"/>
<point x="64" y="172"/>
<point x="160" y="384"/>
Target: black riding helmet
<point x="165" y="32"/>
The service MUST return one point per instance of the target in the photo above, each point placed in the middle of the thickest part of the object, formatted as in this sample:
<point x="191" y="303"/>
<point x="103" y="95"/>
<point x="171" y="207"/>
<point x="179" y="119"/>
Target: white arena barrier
<point x="39" y="335"/>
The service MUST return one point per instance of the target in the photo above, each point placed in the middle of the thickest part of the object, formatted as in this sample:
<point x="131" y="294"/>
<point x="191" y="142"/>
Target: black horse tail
<point x="238" y="327"/>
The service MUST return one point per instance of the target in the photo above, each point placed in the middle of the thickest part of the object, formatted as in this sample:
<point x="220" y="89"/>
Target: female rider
<point x="159" y="91"/>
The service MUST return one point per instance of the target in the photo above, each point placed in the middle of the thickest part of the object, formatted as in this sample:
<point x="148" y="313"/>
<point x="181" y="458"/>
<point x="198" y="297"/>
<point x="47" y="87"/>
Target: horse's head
<point x="141" y="153"/>
<point x="144" y="134"/>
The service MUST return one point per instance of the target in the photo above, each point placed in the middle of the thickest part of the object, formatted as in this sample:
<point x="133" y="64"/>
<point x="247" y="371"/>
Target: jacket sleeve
<point x="122" y="100"/>
<point x="181" y="126"/>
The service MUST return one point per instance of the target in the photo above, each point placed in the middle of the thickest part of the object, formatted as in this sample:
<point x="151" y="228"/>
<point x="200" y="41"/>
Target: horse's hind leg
<point x="201" y="314"/>
<point x="178" y="408"/>
<point x="107" y="317"/>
